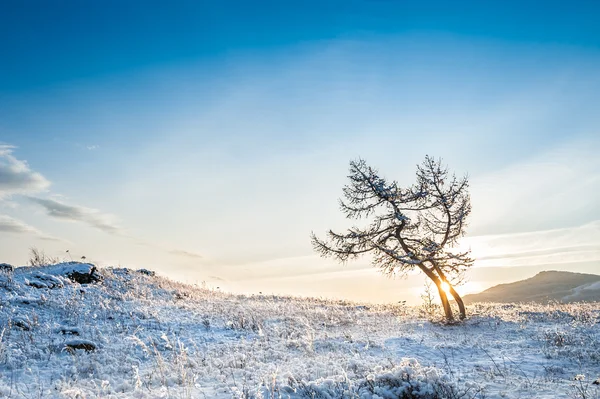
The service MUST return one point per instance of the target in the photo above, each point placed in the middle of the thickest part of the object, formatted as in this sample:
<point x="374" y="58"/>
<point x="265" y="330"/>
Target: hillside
<point x="565" y="287"/>
<point x="71" y="331"/>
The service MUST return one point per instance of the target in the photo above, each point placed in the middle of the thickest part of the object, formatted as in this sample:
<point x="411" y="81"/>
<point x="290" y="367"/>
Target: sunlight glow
<point x="446" y="287"/>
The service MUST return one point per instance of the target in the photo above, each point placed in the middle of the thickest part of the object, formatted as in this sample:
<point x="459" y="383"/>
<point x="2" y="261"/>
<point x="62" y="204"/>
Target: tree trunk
<point x="445" y="302"/>
<point x="459" y="301"/>
<point x="443" y="297"/>
<point x="457" y="298"/>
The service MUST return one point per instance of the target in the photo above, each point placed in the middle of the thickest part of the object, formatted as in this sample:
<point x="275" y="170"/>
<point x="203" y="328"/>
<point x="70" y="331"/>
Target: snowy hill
<point x="130" y="334"/>
<point x="544" y="287"/>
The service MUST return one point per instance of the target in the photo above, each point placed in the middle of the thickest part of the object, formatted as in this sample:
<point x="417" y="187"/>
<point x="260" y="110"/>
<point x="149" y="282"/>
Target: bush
<point x="38" y="257"/>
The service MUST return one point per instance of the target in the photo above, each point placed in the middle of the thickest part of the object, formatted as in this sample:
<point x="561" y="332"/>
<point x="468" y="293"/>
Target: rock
<point x="147" y="272"/>
<point x="64" y="330"/>
<point x="43" y="280"/>
<point x="26" y="300"/>
<point x="84" y="278"/>
<point x="121" y="271"/>
<point x="36" y="284"/>
<point x="6" y="268"/>
<point x="75" y="344"/>
<point x="22" y="323"/>
<point x="46" y="281"/>
<point x="56" y="276"/>
<point x="82" y="273"/>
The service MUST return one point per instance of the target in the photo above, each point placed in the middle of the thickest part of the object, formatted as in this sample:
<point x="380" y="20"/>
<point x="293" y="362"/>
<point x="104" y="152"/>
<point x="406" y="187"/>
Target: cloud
<point x="289" y="267"/>
<point x="179" y="252"/>
<point x="543" y="252"/>
<point x="560" y="187"/>
<point x="13" y="226"/>
<point x="174" y="252"/>
<point x="16" y="177"/>
<point x="555" y="246"/>
<point x="75" y="213"/>
<point x="10" y="225"/>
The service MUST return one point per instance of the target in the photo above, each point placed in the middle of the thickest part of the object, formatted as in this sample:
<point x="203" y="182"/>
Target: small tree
<point x="406" y="228"/>
<point x="429" y="307"/>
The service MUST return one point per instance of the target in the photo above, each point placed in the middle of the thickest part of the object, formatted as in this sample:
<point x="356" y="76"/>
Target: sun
<point x="446" y="287"/>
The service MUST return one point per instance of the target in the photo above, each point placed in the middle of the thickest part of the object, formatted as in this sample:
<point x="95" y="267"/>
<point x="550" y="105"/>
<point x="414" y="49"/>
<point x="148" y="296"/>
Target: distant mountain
<point x="543" y="287"/>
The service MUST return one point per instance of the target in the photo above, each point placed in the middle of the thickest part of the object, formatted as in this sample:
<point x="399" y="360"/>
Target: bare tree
<point x="428" y="307"/>
<point x="406" y="228"/>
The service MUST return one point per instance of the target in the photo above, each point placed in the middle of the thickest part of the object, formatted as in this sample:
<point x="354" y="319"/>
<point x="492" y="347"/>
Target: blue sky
<point x="207" y="139"/>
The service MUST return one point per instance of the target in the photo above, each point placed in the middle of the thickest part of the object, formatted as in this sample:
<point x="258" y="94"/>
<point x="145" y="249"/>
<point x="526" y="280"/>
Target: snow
<point x="59" y="269"/>
<point x="157" y="338"/>
<point x="580" y="293"/>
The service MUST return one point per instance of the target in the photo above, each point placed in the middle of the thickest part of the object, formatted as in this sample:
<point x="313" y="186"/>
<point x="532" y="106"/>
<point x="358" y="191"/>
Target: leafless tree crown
<point x="404" y="228"/>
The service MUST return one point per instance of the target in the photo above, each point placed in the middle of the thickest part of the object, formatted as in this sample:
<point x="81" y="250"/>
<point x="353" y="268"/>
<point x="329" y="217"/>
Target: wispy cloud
<point x="187" y="254"/>
<point x="13" y="226"/>
<point x="290" y="267"/>
<point x="555" y="246"/>
<point x="544" y="252"/>
<point x="560" y="187"/>
<point x="16" y="177"/>
<point x="76" y="213"/>
<point x="10" y="225"/>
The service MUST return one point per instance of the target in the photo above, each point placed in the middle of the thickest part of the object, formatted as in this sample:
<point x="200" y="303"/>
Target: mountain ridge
<point x="544" y="287"/>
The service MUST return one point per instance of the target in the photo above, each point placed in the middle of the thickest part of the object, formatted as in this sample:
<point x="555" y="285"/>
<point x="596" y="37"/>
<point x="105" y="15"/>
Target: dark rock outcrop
<point x="64" y="330"/>
<point x="21" y="323"/>
<point x="6" y="268"/>
<point x="83" y="277"/>
<point x="84" y="344"/>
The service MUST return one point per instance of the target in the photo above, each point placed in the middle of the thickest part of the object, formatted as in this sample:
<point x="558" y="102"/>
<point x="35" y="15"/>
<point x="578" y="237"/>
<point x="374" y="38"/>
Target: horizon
<point x="207" y="141"/>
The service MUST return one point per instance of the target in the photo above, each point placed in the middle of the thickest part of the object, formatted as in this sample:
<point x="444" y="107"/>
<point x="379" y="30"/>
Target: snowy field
<point x="135" y="335"/>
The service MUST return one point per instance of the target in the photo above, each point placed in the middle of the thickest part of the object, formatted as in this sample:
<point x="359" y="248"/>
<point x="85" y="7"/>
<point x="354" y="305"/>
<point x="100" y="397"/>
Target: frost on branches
<point x="406" y="227"/>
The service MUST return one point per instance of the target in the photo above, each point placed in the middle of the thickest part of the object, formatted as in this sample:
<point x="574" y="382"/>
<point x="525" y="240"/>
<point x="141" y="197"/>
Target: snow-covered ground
<point x="142" y="336"/>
